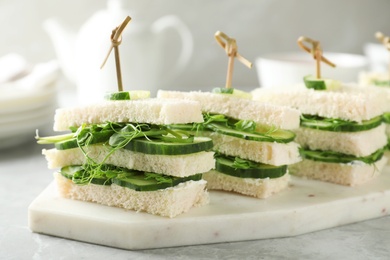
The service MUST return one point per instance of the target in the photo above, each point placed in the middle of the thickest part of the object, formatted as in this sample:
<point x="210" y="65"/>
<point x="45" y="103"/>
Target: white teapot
<point x="145" y="64"/>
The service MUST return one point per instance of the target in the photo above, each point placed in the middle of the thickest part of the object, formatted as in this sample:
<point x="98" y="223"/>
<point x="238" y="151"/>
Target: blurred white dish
<point x="378" y="57"/>
<point x="24" y="127"/>
<point x="12" y="67"/>
<point x="27" y="103"/>
<point x="26" y="116"/>
<point x="286" y="69"/>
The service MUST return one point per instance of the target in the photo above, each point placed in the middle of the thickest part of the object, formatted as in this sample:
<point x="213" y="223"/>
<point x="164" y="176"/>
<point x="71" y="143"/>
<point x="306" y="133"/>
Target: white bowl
<point x="286" y="69"/>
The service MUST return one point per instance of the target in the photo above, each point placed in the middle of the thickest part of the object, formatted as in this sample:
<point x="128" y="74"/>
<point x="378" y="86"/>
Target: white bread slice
<point x="360" y="143"/>
<point x="264" y="152"/>
<point x="381" y="95"/>
<point x="152" y="111"/>
<point x="353" y="106"/>
<point x="239" y="108"/>
<point x="173" y="165"/>
<point x="368" y="78"/>
<point x="258" y="188"/>
<point x="168" y="202"/>
<point x="351" y="174"/>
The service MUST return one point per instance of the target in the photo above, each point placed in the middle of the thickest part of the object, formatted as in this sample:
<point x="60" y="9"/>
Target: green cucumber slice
<point x="278" y="135"/>
<point x="232" y="91"/>
<point x="320" y="84"/>
<point x="338" y="125"/>
<point x="382" y="83"/>
<point x="97" y="137"/>
<point x="140" y="183"/>
<point x="127" y="95"/>
<point x="223" y="90"/>
<point x="136" y="180"/>
<point x="75" y="172"/>
<point x="169" y="148"/>
<point x="336" y="157"/>
<point x="184" y="127"/>
<point x="226" y="165"/>
<point x="386" y="117"/>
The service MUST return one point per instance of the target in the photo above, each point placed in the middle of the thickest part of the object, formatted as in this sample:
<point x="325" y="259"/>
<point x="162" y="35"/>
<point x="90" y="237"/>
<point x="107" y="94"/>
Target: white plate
<point x="22" y="126"/>
<point x="35" y="88"/>
<point x="306" y="206"/>
<point x="28" y="114"/>
<point x="19" y="100"/>
<point x="22" y="135"/>
<point x="17" y="128"/>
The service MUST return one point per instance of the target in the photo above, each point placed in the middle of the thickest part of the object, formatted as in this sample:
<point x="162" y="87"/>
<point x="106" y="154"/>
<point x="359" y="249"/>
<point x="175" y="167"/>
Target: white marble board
<point x="306" y="206"/>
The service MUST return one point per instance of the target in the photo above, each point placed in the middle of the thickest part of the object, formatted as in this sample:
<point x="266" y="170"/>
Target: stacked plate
<point x="27" y="103"/>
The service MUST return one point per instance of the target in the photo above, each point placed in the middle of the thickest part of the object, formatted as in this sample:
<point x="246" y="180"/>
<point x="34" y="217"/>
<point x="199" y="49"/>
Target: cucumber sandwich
<point x="379" y="83"/>
<point x="123" y="153"/>
<point x="253" y="142"/>
<point x="342" y="133"/>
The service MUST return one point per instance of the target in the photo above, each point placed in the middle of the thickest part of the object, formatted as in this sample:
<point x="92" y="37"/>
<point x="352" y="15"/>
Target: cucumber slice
<point x="225" y="164"/>
<point x="321" y="84"/>
<point x="184" y="127"/>
<point x="128" y="95"/>
<point x="223" y="90"/>
<point x="338" y="125"/>
<point x="97" y="137"/>
<point x="278" y="135"/>
<point x="232" y="91"/>
<point x="75" y="172"/>
<point x="382" y="83"/>
<point x="69" y="171"/>
<point x="136" y="180"/>
<point x="336" y="157"/>
<point x="140" y="183"/>
<point x="386" y="117"/>
<point x="170" y="148"/>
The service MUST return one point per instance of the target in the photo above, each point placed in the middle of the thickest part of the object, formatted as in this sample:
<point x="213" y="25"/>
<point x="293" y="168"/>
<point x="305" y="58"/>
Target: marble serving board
<point x="306" y="206"/>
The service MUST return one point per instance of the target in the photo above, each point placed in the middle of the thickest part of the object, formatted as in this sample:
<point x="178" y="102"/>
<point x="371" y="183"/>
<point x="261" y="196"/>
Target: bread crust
<point x="362" y="143"/>
<point x="173" y="165"/>
<point x="151" y="111"/>
<point x="348" y="174"/>
<point x="263" y="152"/>
<point x="239" y="108"/>
<point x="168" y="202"/>
<point x="258" y="188"/>
<point x="354" y="106"/>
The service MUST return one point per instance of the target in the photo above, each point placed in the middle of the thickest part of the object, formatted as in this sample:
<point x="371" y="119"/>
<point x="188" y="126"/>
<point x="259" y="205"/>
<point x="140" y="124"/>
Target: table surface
<point x="24" y="175"/>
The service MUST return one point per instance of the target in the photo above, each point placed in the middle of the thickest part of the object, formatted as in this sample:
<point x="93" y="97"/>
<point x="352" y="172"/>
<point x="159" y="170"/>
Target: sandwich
<point x="379" y="83"/>
<point x="342" y="133"/>
<point x="122" y="153"/>
<point x="252" y="141"/>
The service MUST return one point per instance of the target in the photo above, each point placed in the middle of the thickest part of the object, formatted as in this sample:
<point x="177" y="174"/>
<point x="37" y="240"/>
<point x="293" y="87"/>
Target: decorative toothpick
<point x="316" y="51"/>
<point x="116" y="40"/>
<point x="385" y="40"/>
<point x="230" y="47"/>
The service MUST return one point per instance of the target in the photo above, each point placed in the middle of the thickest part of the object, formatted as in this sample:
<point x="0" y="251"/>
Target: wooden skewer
<point x="385" y="40"/>
<point x="230" y="47"/>
<point x="316" y="51"/>
<point x="116" y="40"/>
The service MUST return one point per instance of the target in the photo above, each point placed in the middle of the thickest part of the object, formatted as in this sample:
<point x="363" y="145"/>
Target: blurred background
<point x="168" y="45"/>
<point x="259" y="26"/>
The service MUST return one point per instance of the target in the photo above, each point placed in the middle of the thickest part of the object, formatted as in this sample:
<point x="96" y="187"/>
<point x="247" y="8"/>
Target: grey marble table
<point x="24" y="175"/>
